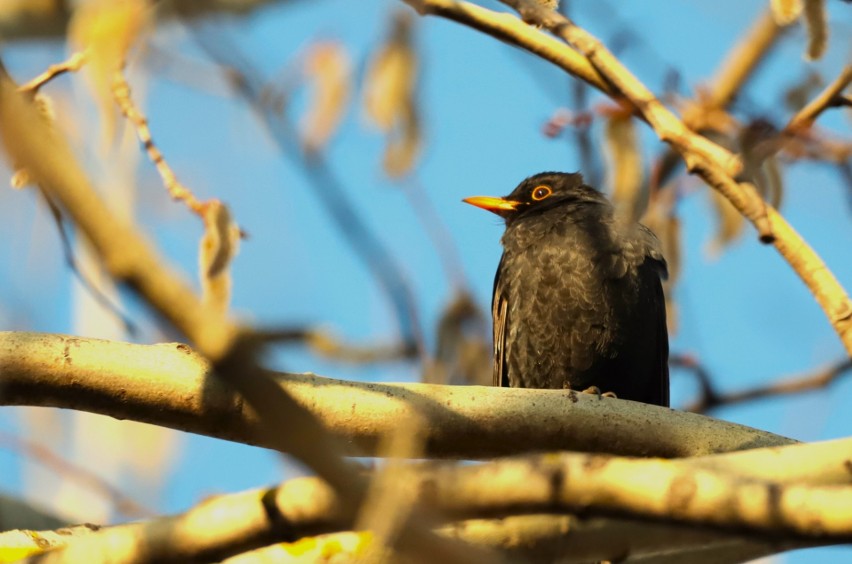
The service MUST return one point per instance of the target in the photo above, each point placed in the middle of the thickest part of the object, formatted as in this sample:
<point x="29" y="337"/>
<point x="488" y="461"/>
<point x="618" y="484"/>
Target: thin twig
<point x="830" y="96"/>
<point x="327" y="186"/>
<point x="711" y="398"/>
<point x="437" y="232"/>
<point x="75" y="473"/>
<point x="285" y="424"/>
<point x="323" y="343"/>
<point x="704" y="158"/>
<point x="70" y="259"/>
<point x="505" y="27"/>
<point x="741" y="62"/>
<point x="122" y="94"/>
<point x="72" y="64"/>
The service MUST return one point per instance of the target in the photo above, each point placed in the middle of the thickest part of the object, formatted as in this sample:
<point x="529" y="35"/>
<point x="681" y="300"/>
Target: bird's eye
<point x="541" y="192"/>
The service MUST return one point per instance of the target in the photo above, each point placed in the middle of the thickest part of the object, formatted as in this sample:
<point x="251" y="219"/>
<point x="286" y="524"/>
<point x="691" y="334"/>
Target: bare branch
<point x="656" y="494"/>
<point x="121" y="94"/>
<point x="74" y="63"/>
<point x="830" y="96"/>
<point x="510" y="29"/>
<point x="171" y="386"/>
<point x="286" y="425"/>
<point x="712" y="163"/>
<point x="328" y="187"/>
<point x="739" y="65"/>
<point x="711" y="398"/>
<point x="31" y="19"/>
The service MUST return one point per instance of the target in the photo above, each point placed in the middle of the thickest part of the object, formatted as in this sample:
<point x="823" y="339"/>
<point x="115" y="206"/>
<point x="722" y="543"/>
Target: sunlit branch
<point x="74" y="63"/>
<point x="127" y="256"/>
<point x="171" y="386"/>
<point x="830" y="96"/>
<point x="703" y="158"/>
<point x="678" y="493"/>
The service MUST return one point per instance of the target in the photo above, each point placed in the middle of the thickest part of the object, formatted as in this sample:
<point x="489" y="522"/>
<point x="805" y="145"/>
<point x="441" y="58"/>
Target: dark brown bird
<point x="578" y="299"/>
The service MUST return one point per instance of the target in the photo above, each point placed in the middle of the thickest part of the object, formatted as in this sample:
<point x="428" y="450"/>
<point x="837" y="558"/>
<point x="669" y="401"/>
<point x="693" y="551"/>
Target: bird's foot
<point x="597" y="391"/>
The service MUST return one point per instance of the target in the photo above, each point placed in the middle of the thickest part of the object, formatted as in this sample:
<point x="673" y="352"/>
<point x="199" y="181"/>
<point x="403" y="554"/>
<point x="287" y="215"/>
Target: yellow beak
<point x="500" y="206"/>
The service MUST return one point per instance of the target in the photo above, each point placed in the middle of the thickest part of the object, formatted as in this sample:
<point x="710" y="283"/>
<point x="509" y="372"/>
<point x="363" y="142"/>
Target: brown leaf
<point x="389" y="84"/>
<point x="44" y="105"/>
<point x="729" y="224"/>
<point x="759" y="142"/>
<point x="219" y="246"/>
<point x="106" y="30"/>
<point x="329" y="74"/>
<point x="786" y="11"/>
<point x="403" y="146"/>
<point x="463" y="351"/>
<point x="800" y="93"/>
<point x="816" y="22"/>
<point x="662" y="219"/>
<point x="626" y="165"/>
<point x="389" y="97"/>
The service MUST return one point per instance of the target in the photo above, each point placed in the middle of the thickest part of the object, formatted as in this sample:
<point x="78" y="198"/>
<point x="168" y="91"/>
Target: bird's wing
<point x="500" y="313"/>
<point x="662" y="341"/>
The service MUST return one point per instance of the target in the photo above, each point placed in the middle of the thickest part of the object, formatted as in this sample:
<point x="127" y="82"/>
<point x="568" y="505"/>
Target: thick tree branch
<point x="715" y="165"/>
<point x="664" y="498"/>
<point x="171" y="386"/>
<point x="546" y="537"/>
<point x="283" y="423"/>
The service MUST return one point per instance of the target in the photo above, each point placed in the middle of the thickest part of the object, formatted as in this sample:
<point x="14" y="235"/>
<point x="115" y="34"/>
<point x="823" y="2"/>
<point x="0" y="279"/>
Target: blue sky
<point x="745" y="315"/>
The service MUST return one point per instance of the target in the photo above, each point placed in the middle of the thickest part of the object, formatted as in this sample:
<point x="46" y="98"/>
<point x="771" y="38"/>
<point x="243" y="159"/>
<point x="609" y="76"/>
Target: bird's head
<point x="538" y="193"/>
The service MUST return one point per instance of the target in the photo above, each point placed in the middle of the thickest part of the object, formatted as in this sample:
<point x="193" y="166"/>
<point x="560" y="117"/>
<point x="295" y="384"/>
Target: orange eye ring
<point x="541" y="192"/>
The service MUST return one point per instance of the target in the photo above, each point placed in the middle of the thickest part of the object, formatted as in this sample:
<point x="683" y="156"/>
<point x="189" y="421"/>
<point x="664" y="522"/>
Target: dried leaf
<point x="626" y="165"/>
<point x="773" y="189"/>
<point x="390" y="81"/>
<point x="403" y="146"/>
<point x="106" y="30"/>
<point x="816" y="22"/>
<point x="662" y="219"/>
<point x="21" y="178"/>
<point x="786" y="11"/>
<point x="759" y="142"/>
<point x="389" y="101"/>
<point x="391" y="495"/>
<point x="800" y="93"/>
<point x="219" y="246"/>
<point x="463" y="350"/>
<point x="329" y="74"/>
<point x="729" y="224"/>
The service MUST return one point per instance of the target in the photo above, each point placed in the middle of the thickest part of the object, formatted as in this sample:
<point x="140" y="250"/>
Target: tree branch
<point x="511" y="30"/>
<point x="830" y="96"/>
<point x="656" y="504"/>
<point x="712" y="163"/>
<point x="169" y="385"/>
<point x="711" y="398"/>
<point x="743" y="60"/>
<point x="282" y="423"/>
<point x="36" y="19"/>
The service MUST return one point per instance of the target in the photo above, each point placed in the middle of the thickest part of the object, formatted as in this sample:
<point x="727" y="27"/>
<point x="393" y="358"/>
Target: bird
<point x="578" y="300"/>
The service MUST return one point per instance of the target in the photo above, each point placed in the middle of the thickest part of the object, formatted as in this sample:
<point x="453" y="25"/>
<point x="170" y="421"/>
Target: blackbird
<point x="578" y="299"/>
